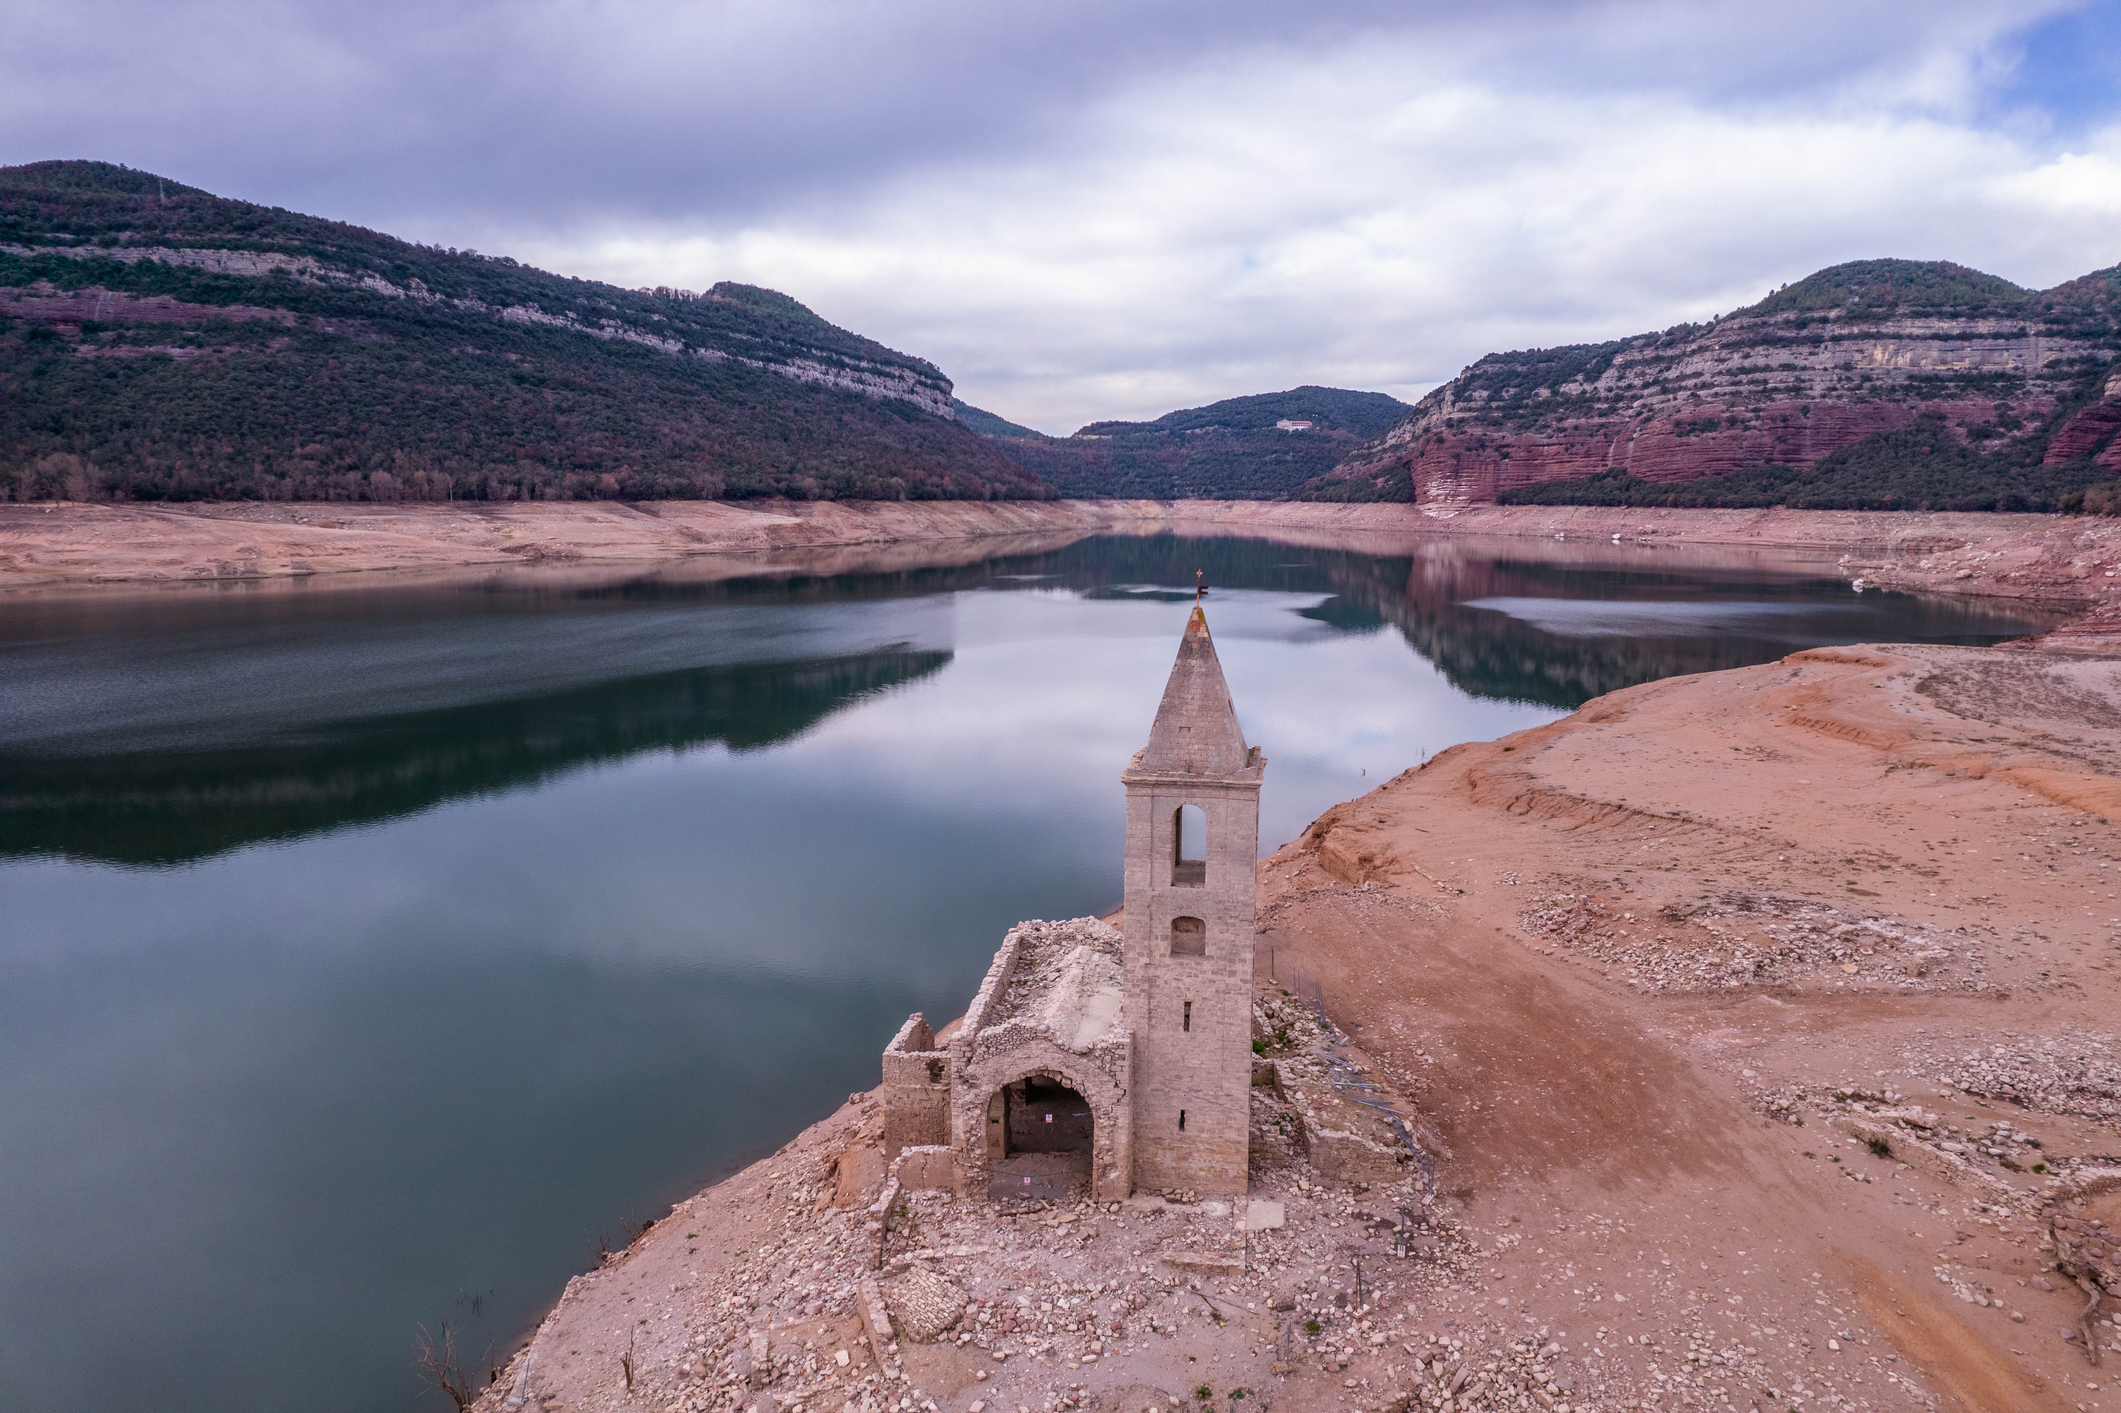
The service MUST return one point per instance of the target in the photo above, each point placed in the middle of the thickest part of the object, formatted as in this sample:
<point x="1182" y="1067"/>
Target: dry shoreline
<point x="2058" y="561"/>
<point x="1761" y="1022"/>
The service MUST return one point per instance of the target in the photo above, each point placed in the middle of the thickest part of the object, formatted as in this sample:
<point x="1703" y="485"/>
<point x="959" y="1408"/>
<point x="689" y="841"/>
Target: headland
<point x="1756" y="1028"/>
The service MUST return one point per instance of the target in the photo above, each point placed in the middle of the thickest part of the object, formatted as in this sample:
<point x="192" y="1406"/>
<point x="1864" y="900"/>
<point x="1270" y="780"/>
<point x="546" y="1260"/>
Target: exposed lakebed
<point x="367" y="956"/>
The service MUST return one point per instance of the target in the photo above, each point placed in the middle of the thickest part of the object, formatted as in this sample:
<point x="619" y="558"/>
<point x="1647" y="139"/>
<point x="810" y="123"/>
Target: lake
<point x="371" y="953"/>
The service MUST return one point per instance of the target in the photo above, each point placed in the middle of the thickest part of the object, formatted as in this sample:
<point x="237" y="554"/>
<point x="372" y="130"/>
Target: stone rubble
<point x="924" y="1304"/>
<point x="1740" y="940"/>
<point x="1376" y="1296"/>
<point x="2074" y="1073"/>
<point x="1997" y="1158"/>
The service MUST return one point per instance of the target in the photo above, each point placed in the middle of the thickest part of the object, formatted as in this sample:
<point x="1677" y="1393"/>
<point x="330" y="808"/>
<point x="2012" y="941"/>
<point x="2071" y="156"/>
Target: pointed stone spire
<point x="1196" y="730"/>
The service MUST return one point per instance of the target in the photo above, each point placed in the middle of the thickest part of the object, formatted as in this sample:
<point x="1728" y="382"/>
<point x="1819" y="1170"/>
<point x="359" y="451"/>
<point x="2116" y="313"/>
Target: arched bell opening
<point x="1189" y="847"/>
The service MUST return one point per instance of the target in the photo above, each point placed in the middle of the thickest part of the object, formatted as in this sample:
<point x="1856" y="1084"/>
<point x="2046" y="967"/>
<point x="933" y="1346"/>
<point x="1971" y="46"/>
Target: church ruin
<point x="1120" y="1060"/>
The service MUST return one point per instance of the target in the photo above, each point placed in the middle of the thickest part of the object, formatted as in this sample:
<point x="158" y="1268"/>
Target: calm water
<point x="367" y="955"/>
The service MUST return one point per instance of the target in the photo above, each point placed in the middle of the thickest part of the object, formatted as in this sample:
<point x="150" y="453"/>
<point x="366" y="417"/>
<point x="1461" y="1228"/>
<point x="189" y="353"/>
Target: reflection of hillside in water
<point x="1428" y="594"/>
<point x="177" y="807"/>
<point x="1489" y="653"/>
<point x="527" y="679"/>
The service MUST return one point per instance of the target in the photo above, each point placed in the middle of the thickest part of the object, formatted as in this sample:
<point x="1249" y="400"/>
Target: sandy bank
<point x="51" y="546"/>
<point x="2065" y="561"/>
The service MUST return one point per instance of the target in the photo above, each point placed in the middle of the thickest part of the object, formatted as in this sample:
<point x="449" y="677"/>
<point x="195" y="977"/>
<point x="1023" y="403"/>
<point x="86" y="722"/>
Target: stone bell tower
<point x="1191" y="895"/>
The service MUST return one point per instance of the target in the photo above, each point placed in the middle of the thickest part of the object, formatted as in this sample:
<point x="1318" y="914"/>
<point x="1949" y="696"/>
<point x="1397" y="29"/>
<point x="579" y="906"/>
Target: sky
<point x="1088" y="209"/>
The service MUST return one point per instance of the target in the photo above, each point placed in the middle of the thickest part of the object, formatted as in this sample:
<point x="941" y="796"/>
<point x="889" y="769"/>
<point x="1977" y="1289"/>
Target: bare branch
<point x="438" y="1365"/>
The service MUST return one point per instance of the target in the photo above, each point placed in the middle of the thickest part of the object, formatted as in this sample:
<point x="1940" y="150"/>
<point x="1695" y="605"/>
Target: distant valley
<point x="1242" y="448"/>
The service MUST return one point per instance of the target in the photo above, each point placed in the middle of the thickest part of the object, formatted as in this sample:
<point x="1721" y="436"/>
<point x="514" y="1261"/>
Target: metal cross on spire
<point x="1200" y="586"/>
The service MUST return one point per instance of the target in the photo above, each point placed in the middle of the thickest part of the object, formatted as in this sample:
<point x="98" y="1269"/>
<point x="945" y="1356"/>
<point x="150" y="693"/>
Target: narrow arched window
<point x="1189" y="937"/>
<point x="1189" y="847"/>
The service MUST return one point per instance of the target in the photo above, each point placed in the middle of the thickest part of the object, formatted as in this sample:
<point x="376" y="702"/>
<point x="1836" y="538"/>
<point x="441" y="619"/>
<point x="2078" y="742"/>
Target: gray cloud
<point x="1099" y="208"/>
<point x="556" y="113"/>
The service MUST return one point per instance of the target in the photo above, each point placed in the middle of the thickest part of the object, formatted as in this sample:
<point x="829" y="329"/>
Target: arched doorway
<point x="1041" y="1139"/>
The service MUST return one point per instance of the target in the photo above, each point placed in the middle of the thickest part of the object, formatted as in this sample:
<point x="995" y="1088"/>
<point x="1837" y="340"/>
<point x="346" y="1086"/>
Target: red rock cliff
<point x="1852" y="351"/>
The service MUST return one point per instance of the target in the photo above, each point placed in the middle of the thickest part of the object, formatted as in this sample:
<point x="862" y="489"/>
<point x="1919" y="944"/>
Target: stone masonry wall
<point x="1203" y="1071"/>
<point x="1021" y="1051"/>
<point x="986" y="1055"/>
<point x="916" y="1088"/>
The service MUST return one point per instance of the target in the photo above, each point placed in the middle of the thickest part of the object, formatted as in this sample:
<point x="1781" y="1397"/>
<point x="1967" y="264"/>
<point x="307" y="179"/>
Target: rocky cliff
<point x="160" y="342"/>
<point x="2020" y="379"/>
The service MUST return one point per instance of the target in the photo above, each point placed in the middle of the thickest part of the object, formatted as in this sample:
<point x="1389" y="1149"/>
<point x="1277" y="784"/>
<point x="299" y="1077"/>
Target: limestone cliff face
<point x="905" y="379"/>
<point x="1851" y="352"/>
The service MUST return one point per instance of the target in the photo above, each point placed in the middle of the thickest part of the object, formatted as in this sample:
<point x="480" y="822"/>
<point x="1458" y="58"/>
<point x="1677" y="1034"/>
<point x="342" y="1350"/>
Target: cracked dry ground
<point x="1764" y="1024"/>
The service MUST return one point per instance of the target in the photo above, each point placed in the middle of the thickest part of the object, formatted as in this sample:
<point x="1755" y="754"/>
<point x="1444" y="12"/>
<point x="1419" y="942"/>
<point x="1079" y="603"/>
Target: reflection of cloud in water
<point x="1325" y="705"/>
<point x="1594" y="618"/>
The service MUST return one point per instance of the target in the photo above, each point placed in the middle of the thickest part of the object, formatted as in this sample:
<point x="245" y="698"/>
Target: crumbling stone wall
<point x="916" y="1088"/>
<point x="990" y="1051"/>
<point x="926" y="1167"/>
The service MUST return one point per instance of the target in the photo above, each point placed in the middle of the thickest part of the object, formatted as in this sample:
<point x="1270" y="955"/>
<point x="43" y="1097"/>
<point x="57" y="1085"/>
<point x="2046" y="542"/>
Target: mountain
<point x="1229" y="450"/>
<point x="1877" y="384"/>
<point x="987" y="424"/>
<point x="159" y="342"/>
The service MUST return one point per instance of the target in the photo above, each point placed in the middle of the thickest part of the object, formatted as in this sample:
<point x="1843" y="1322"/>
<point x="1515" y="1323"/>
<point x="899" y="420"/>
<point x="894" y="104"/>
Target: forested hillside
<point x="159" y="342"/>
<point x="1229" y="450"/>
<point x="987" y="424"/>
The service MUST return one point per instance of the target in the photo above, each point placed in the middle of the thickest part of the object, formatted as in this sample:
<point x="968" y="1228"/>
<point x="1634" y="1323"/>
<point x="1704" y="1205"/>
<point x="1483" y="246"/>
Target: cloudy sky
<point x="1111" y="208"/>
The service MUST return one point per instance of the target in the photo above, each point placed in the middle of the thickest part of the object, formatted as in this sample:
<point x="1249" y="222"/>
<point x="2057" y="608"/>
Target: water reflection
<point x="197" y="736"/>
<point x="166" y="807"/>
<point x="1558" y="632"/>
<point x="481" y="918"/>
